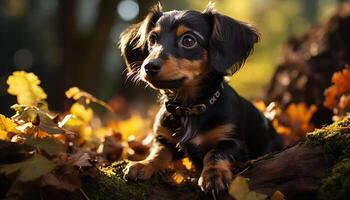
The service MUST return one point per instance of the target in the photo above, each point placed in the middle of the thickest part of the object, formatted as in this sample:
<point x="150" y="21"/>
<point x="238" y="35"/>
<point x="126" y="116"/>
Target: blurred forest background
<point x="74" y="42"/>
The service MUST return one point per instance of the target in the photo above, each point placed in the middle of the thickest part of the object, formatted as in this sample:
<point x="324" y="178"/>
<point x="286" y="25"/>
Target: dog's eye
<point x="188" y="41"/>
<point x="152" y="39"/>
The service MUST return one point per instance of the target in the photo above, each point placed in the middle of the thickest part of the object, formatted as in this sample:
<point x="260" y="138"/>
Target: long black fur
<point x="228" y="43"/>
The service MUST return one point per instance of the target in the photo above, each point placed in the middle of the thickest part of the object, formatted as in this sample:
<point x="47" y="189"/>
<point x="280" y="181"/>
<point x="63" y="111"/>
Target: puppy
<point x="185" y="55"/>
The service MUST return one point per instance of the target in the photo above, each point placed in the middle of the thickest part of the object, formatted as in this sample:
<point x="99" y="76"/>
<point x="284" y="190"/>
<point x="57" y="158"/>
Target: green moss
<point x="110" y="185"/>
<point x="334" y="138"/>
<point x="337" y="184"/>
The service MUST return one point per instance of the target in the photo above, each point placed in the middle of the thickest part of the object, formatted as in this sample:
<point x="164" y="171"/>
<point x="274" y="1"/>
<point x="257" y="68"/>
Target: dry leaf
<point x="341" y="85"/>
<point x="82" y="113"/>
<point x="239" y="189"/>
<point x="6" y="126"/>
<point x="85" y="98"/>
<point x="33" y="116"/>
<point x="26" y="87"/>
<point x="50" y="145"/>
<point x="29" y="169"/>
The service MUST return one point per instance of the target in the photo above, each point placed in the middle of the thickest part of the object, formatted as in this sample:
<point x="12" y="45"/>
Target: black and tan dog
<point x="185" y="55"/>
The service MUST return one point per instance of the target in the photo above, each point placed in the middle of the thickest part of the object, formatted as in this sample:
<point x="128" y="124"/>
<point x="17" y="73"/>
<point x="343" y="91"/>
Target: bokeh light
<point x="128" y="10"/>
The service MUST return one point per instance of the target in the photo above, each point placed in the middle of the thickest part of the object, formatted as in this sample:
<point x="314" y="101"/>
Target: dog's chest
<point x="193" y="133"/>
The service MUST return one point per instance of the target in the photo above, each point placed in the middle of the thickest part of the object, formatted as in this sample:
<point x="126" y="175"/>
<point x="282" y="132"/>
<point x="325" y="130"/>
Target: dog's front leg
<point x="159" y="158"/>
<point x="218" y="164"/>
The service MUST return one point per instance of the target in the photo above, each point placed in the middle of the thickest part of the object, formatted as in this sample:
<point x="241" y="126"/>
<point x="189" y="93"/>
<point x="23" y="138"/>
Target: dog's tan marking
<point x="159" y="158"/>
<point x="213" y="136"/>
<point x="157" y="30"/>
<point x="159" y="130"/>
<point x="194" y="71"/>
<point x="181" y="29"/>
<point x="165" y="133"/>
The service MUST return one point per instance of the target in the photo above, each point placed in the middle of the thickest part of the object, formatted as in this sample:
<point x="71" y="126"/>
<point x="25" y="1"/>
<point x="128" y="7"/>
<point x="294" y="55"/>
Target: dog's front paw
<point x="215" y="179"/>
<point x="141" y="170"/>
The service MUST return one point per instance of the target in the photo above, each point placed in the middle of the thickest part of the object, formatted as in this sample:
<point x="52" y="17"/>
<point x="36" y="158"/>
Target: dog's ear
<point x="231" y="42"/>
<point x="133" y="41"/>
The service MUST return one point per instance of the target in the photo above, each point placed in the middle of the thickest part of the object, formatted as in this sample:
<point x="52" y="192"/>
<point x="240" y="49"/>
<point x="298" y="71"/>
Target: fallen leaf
<point x="29" y="169"/>
<point x="112" y="147"/>
<point x="239" y="189"/>
<point x="85" y="98"/>
<point x="68" y="180"/>
<point x="26" y="87"/>
<point x="37" y="117"/>
<point x="81" y="112"/>
<point x="6" y="126"/>
<point x="79" y="159"/>
<point x="50" y="145"/>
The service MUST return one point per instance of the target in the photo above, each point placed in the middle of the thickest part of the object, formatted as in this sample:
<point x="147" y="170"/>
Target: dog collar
<point x="179" y="110"/>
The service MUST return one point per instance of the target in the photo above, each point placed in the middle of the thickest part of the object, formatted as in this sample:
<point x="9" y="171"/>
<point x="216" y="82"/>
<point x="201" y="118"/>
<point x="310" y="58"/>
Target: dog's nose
<point x="152" y="68"/>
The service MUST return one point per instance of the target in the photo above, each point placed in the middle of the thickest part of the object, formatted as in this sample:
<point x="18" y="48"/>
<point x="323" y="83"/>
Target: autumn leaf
<point x="79" y="159"/>
<point x="50" y="145"/>
<point x="239" y="189"/>
<point x="32" y="115"/>
<point x="26" y="87"/>
<point x="82" y="113"/>
<point x="337" y="96"/>
<point x="29" y="169"/>
<point x="135" y="125"/>
<point x="6" y="126"/>
<point x="85" y="98"/>
<point x="299" y="116"/>
<point x="341" y="85"/>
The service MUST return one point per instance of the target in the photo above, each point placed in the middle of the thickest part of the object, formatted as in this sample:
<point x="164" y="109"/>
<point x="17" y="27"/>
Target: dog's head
<point x="175" y="49"/>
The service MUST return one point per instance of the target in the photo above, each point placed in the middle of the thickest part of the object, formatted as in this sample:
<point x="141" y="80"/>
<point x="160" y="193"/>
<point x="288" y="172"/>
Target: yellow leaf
<point x="6" y="125"/>
<point x="26" y="87"/>
<point x="37" y="117"/>
<point x="73" y="92"/>
<point x="135" y="125"/>
<point x="85" y="114"/>
<point x="85" y="97"/>
<point x="239" y="189"/>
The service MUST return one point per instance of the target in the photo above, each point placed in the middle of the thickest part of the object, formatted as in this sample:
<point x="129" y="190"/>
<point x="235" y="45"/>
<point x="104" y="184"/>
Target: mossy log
<point x="318" y="168"/>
